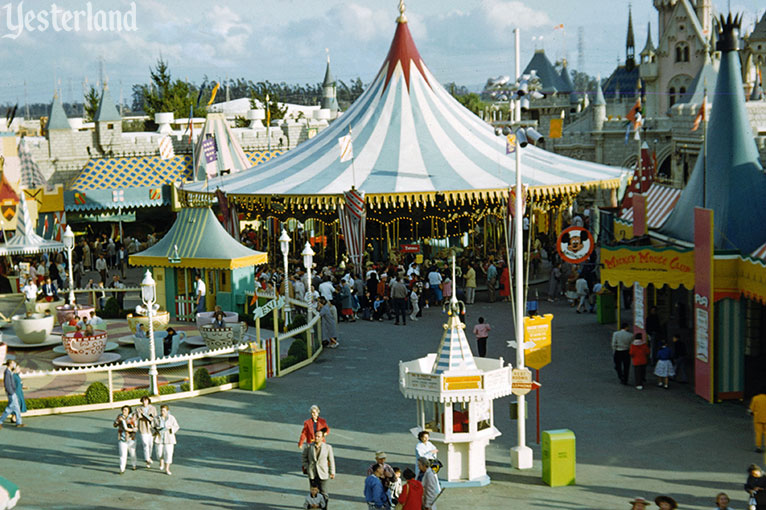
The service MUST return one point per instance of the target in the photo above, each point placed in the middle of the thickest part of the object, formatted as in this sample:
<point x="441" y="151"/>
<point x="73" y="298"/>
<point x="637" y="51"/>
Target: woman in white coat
<point x="166" y="427"/>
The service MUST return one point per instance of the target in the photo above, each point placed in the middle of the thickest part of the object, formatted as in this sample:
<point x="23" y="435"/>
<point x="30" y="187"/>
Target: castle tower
<point x="58" y="129"/>
<point x="599" y="116"/>
<point x="329" y="97"/>
<point x="630" y="44"/>
<point x="649" y="73"/>
<point x="108" y="122"/>
<point x="705" y="15"/>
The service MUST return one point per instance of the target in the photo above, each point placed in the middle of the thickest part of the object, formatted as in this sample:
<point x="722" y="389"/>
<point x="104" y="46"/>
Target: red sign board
<point x="575" y="245"/>
<point x="409" y="248"/>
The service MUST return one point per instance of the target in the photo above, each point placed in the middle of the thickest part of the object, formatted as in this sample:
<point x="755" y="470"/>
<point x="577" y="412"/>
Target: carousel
<point x="406" y="163"/>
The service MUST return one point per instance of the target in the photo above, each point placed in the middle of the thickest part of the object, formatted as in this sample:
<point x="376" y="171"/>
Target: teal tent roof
<point x="197" y="239"/>
<point x="733" y="179"/>
<point x="107" y="112"/>
<point x="57" y="118"/>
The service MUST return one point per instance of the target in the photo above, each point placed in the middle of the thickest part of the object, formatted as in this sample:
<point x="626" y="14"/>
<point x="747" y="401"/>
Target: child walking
<point x="664" y="367"/>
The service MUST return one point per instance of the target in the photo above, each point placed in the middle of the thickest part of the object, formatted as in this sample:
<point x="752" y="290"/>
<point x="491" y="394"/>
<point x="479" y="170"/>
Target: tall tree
<point x="167" y="95"/>
<point x="92" y="99"/>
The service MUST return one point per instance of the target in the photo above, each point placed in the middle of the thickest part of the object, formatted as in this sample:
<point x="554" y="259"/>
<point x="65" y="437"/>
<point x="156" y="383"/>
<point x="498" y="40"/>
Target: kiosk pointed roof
<point x="454" y="353"/>
<point x="732" y="175"/>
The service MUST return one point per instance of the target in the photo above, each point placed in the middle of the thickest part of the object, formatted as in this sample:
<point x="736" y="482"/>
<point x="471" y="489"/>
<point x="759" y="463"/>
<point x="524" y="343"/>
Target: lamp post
<point x="68" y="239"/>
<point x="308" y="263"/>
<point x="284" y="244"/>
<point x="521" y="455"/>
<point x="148" y="297"/>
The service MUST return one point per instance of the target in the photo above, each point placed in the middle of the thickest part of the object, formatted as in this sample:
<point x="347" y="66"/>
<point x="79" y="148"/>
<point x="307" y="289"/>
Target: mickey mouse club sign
<point x="575" y="245"/>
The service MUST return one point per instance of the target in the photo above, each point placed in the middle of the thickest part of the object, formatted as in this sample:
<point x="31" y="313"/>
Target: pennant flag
<point x="31" y="176"/>
<point x="510" y="144"/>
<point x="700" y="117"/>
<point x="631" y="116"/>
<point x="11" y="115"/>
<point x="353" y="219"/>
<point x="561" y="26"/>
<point x="556" y="128"/>
<point x="627" y="133"/>
<point x="166" y="148"/>
<point x="346" y="148"/>
<point x="213" y="93"/>
<point x="637" y="126"/>
<point x="268" y="112"/>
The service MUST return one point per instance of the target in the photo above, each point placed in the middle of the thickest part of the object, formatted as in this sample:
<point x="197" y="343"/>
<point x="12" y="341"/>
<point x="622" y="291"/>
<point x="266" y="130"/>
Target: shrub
<point x="97" y="393"/>
<point x="202" y="379"/>
<point x="111" y="309"/>
<point x="298" y="349"/>
<point x="287" y="361"/>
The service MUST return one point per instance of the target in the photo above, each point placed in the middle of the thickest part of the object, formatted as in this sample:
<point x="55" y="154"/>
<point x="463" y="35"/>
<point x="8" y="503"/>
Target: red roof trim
<point x="402" y="50"/>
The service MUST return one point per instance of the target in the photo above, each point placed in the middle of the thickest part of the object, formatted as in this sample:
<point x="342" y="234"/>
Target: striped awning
<point x="660" y="200"/>
<point x="411" y="138"/>
<point x="760" y="253"/>
<point x="198" y="240"/>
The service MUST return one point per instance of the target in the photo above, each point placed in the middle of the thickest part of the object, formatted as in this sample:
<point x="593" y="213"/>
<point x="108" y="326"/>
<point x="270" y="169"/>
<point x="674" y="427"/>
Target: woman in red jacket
<point x="639" y="355"/>
<point x="311" y="425"/>
<point x="411" y="497"/>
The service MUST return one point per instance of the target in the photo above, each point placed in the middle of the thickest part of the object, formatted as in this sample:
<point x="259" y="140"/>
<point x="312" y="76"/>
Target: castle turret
<point x="108" y="122"/>
<point x="329" y="98"/>
<point x="630" y="45"/>
<point x="599" y="108"/>
<point x="57" y="119"/>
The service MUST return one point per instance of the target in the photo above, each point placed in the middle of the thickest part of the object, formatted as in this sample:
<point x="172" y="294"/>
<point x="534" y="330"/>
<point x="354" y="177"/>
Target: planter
<point x="220" y="338"/>
<point x="66" y="312"/>
<point x="33" y="329"/>
<point x="207" y="318"/>
<point x="143" y="345"/>
<point x="160" y="322"/>
<point x="86" y="349"/>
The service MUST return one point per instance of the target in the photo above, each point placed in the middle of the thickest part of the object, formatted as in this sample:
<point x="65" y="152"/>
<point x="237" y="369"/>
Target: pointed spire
<point x="57" y="118"/>
<point x="599" y="101"/>
<point x="402" y="18"/>
<point x="107" y="111"/>
<point x="630" y="43"/>
<point x="649" y="46"/>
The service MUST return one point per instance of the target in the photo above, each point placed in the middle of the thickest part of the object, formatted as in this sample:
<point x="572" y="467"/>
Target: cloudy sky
<point x="284" y="40"/>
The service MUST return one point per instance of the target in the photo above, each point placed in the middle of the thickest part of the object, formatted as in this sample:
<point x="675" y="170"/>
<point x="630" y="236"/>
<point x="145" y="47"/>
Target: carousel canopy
<point x="198" y="240"/>
<point x="410" y="137"/>
<point x="25" y="241"/>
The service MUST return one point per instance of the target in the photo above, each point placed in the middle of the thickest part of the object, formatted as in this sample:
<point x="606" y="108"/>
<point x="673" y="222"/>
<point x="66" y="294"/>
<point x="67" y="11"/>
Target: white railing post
<point x="111" y="386"/>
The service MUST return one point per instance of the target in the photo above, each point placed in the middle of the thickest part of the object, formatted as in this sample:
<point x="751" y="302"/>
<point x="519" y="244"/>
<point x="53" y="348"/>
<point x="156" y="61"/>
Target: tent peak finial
<point x="402" y="18"/>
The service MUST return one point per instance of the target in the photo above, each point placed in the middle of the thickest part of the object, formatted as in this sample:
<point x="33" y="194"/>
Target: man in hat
<point x="639" y="504"/>
<point x="388" y="471"/>
<point x="10" y="391"/>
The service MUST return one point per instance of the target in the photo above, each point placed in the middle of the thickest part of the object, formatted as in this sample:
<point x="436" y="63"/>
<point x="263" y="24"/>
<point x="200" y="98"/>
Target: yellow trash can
<point x="252" y="368"/>
<point x="558" y="457"/>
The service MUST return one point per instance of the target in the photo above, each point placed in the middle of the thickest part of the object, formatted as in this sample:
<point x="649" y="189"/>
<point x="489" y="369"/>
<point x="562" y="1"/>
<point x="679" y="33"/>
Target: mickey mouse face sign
<point x="575" y="245"/>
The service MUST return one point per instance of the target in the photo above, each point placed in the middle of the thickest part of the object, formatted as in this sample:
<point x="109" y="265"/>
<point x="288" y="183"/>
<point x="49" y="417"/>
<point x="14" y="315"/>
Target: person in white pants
<point x="167" y="427"/>
<point x="145" y="415"/>
<point x="126" y="437"/>
<point x="414" y="298"/>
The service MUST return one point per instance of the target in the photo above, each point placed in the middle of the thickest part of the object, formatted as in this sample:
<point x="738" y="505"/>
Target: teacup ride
<point x="160" y="321"/>
<point x="49" y="306"/>
<point x="31" y="330"/>
<point x="65" y="313"/>
<point x="85" y="350"/>
<point x="143" y="344"/>
<point x="222" y="337"/>
<point x="208" y="317"/>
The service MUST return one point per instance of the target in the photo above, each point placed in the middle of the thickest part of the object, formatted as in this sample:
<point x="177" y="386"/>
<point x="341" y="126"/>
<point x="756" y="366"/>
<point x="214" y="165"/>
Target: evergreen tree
<point x="92" y="98"/>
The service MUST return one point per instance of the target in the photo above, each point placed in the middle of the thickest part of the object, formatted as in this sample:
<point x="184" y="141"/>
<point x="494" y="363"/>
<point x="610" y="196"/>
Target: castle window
<point x="682" y="91"/>
<point x="672" y="95"/>
<point x="682" y="52"/>
<point x="110" y="126"/>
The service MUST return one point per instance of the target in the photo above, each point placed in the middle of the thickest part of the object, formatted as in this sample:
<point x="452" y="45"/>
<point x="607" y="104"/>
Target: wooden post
<point x="111" y="386"/>
<point x="191" y="375"/>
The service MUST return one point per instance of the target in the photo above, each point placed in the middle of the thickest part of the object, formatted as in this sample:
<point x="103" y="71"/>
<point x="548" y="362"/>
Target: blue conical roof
<point x="57" y="118"/>
<point x="107" y="112"/>
<point x="550" y="79"/>
<point x="734" y="176"/>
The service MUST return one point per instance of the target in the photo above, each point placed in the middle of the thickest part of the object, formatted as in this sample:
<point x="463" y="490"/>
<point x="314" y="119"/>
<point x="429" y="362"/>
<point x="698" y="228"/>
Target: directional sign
<point x="537" y="340"/>
<point x="521" y="381"/>
<point x="269" y="307"/>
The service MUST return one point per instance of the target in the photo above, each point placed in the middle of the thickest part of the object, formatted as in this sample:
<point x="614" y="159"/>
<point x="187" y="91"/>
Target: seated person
<point x="218" y="319"/>
<point x="97" y="321"/>
<point x="78" y="332"/>
<point x="167" y="342"/>
<point x="140" y="332"/>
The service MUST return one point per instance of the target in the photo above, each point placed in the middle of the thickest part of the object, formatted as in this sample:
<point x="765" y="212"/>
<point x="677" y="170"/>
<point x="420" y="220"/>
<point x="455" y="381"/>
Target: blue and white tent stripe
<point x="231" y="157"/>
<point x="408" y="139"/>
<point x="25" y="240"/>
<point x="454" y="353"/>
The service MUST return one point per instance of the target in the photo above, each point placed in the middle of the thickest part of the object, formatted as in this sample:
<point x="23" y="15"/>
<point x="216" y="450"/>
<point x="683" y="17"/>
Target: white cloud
<point x="503" y="15"/>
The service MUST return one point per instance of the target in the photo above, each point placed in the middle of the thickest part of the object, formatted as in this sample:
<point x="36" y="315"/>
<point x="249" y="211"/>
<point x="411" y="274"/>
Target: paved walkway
<point x="239" y="450"/>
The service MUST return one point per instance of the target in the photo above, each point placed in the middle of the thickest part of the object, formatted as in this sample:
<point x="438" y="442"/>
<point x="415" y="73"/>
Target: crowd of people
<point x="629" y="349"/>
<point x="156" y="431"/>
<point x="384" y="486"/>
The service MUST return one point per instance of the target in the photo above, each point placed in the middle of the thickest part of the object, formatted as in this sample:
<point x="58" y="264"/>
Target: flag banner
<point x="31" y="176"/>
<point x="166" y="148"/>
<point x="510" y="144"/>
<point x="346" y="148"/>
<point x="634" y="115"/>
<point x="556" y="128"/>
<point x="353" y="219"/>
<point x="560" y="26"/>
<point x="213" y="93"/>
<point x="210" y="150"/>
<point x="699" y="118"/>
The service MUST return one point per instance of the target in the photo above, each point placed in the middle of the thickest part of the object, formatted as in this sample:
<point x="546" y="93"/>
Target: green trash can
<point x="605" y="308"/>
<point x="252" y="369"/>
<point x="558" y="457"/>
